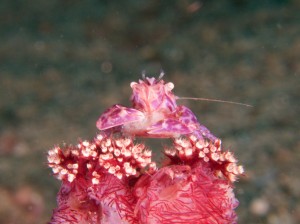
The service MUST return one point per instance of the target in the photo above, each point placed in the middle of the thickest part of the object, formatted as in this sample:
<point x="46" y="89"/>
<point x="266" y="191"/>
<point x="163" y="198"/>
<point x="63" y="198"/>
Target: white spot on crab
<point x="132" y="84"/>
<point x="169" y="86"/>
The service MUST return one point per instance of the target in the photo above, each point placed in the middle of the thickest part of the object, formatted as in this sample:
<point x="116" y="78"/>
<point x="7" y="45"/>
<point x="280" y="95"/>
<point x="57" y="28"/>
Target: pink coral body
<point x="111" y="180"/>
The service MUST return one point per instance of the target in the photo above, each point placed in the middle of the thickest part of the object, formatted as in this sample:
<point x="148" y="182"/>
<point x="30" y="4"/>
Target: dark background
<point x="62" y="62"/>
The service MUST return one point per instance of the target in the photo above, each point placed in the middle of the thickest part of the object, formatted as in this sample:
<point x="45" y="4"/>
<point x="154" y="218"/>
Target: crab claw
<point x="118" y="115"/>
<point x="171" y="128"/>
<point x="181" y="122"/>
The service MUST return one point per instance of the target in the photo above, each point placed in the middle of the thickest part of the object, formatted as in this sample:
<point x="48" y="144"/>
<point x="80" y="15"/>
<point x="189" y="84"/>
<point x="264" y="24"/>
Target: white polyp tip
<point x="71" y="177"/>
<point x="95" y="181"/>
<point x="119" y="175"/>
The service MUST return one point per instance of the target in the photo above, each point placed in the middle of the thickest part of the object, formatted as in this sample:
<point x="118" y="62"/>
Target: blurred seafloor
<point x="63" y="62"/>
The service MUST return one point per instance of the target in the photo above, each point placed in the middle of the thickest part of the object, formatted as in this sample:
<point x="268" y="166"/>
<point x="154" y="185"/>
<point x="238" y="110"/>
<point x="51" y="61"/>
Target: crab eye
<point x="169" y="86"/>
<point x="132" y="84"/>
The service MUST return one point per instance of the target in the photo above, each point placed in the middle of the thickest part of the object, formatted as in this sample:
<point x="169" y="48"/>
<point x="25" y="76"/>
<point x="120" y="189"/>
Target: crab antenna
<point x="144" y="74"/>
<point x="161" y="75"/>
<point x="214" y="100"/>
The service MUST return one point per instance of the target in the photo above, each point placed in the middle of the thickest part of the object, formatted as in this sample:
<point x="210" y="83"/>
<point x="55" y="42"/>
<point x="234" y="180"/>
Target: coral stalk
<point x="110" y="180"/>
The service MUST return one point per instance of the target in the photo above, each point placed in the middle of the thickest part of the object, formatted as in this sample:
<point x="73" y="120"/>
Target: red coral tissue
<point x="113" y="180"/>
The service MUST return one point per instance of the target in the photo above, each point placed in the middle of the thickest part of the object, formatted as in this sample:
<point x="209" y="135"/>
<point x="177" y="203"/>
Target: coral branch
<point x="192" y="150"/>
<point x="96" y="180"/>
